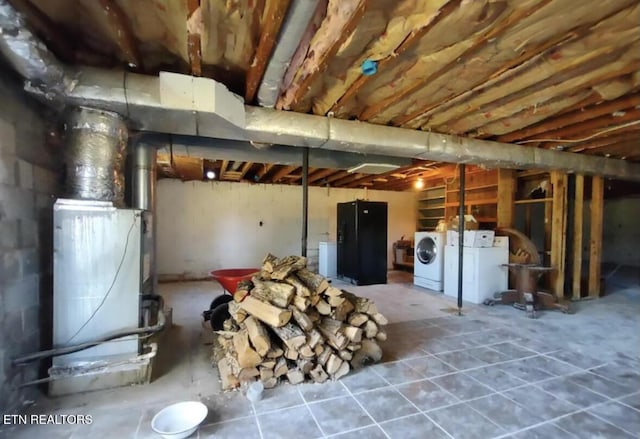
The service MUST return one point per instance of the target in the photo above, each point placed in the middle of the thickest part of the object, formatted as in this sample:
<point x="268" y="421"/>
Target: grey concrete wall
<point x="29" y="180"/>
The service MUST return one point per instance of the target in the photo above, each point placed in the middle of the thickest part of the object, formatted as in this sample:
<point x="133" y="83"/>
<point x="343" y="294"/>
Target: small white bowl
<point x="179" y="420"/>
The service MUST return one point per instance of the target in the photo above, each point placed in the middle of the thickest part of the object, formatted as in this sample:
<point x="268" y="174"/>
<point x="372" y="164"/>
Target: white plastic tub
<point x="179" y="420"/>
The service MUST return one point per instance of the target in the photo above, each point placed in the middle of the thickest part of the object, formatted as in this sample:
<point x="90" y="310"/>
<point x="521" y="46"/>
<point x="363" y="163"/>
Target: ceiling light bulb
<point x="419" y="183"/>
<point x="211" y="175"/>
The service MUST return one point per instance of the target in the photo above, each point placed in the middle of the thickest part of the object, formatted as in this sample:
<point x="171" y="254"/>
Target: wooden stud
<point x="578" y="210"/>
<point x="333" y="32"/>
<point x="595" y="245"/>
<point x="274" y="13"/>
<point x="558" y="232"/>
<point x="122" y="33"/>
<point x="506" y="197"/>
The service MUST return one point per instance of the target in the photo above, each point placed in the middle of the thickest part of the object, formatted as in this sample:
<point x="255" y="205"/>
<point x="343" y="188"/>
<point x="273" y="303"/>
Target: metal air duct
<point x="96" y="143"/>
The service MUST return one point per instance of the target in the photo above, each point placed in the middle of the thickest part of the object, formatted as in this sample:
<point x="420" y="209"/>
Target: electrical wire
<point x="115" y="278"/>
<point x="608" y="130"/>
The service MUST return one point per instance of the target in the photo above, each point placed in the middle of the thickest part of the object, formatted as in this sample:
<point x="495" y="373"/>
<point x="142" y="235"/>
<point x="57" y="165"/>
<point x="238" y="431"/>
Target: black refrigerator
<point x="362" y="242"/>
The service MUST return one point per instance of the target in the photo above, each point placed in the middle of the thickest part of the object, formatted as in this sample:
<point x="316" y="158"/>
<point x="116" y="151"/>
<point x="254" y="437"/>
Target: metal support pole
<point x="461" y="236"/>
<point x="305" y="198"/>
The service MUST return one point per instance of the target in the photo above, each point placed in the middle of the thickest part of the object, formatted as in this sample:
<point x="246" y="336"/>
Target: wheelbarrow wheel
<point x="222" y="298"/>
<point x="218" y="315"/>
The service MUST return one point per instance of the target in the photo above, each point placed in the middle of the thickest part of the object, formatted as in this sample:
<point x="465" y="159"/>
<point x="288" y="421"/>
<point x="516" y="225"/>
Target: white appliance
<point x="482" y="272"/>
<point x="327" y="262"/>
<point x="428" y="261"/>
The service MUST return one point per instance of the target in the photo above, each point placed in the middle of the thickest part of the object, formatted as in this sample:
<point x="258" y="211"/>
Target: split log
<point x="227" y="377"/>
<point x="323" y="357"/>
<point x="240" y="294"/>
<point x="295" y="376"/>
<point x="370" y="329"/>
<point x="314" y="315"/>
<point x="238" y="314"/>
<point x="358" y="319"/>
<point x="301" y="303"/>
<point x="291" y="335"/>
<point x="301" y="319"/>
<point x="315" y="282"/>
<point x="360" y="304"/>
<point x="305" y="365"/>
<point x="230" y="325"/>
<point x="269" y="364"/>
<point x="313" y="338"/>
<point x="265" y="373"/>
<point x="269" y="314"/>
<point x="335" y="301"/>
<point x="275" y="293"/>
<point x="291" y="354"/>
<point x="258" y="336"/>
<point x="314" y="299"/>
<point x="333" y="364"/>
<point x="287" y="266"/>
<point x="342" y="311"/>
<point x="270" y="383"/>
<point x="380" y="319"/>
<point x="369" y="353"/>
<point x="342" y="371"/>
<point x="323" y="307"/>
<point x="269" y="262"/>
<point x="318" y="374"/>
<point x="318" y="349"/>
<point x="301" y="288"/>
<point x="275" y="352"/>
<point x="346" y="355"/>
<point x="248" y="374"/>
<point x="381" y="336"/>
<point x="247" y="357"/>
<point x="281" y="368"/>
<point x="354" y="346"/>
<point x="353" y="333"/>
<point x="306" y="352"/>
<point x="333" y="292"/>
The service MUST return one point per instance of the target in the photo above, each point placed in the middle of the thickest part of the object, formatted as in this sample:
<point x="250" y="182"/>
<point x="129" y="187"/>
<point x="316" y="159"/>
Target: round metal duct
<point x="95" y="146"/>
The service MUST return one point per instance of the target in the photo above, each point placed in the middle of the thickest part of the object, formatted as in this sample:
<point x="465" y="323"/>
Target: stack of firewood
<point x="289" y="323"/>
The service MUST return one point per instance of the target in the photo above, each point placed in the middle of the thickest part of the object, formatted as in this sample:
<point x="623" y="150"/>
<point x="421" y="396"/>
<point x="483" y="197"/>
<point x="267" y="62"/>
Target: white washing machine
<point x="428" y="262"/>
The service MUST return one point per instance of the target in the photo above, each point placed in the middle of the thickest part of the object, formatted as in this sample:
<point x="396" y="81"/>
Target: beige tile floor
<point x="490" y="373"/>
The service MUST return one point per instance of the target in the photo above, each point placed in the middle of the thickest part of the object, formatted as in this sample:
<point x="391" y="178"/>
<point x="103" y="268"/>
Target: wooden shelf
<point x="486" y="219"/>
<point x="432" y="198"/>
<point x="440" y="206"/>
<point x="475" y="188"/>
<point x="431" y="217"/>
<point x="473" y="202"/>
<point x="537" y="200"/>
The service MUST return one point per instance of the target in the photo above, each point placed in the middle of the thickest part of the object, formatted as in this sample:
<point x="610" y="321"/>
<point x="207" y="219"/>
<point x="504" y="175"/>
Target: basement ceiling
<point x="543" y="73"/>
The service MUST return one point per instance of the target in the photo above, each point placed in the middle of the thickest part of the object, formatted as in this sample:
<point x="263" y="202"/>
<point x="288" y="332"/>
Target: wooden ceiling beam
<point x="389" y="62"/>
<point x="194" y="31"/>
<point x="245" y="169"/>
<point x="266" y="167"/>
<point x="283" y="172"/>
<point x="577" y="116"/>
<point x="589" y="126"/>
<point x="274" y="13"/>
<point x="122" y="33"/>
<point x="223" y="169"/>
<point x="337" y="175"/>
<point x="348" y="179"/>
<point x="606" y="140"/>
<point x="333" y="32"/>
<point x="477" y="45"/>
<point x="371" y="177"/>
<point x="500" y="65"/>
<point x="320" y="174"/>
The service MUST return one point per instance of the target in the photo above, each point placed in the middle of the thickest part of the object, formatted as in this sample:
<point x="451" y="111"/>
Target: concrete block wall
<point x="29" y="182"/>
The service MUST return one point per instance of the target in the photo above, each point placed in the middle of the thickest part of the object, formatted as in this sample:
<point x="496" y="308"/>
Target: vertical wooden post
<point x="578" y="209"/>
<point x="595" y="247"/>
<point x="506" y="197"/>
<point x="558" y="231"/>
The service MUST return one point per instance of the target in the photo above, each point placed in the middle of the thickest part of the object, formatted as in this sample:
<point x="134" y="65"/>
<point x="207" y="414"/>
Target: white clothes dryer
<point x="428" y="262"/>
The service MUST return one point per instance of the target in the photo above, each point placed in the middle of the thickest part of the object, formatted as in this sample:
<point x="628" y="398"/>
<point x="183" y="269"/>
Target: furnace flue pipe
<point x="461" y="236"/>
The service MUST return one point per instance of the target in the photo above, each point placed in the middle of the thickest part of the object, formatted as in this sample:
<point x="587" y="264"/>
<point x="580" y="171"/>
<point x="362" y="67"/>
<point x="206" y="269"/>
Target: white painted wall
<point x="204" y="226"/>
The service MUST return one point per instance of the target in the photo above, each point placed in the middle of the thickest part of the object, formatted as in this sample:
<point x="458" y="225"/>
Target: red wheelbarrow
<point x="218" y="311"/>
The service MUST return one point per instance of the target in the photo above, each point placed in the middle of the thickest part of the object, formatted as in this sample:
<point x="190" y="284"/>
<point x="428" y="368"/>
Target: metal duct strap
<point x="96" y="142"/>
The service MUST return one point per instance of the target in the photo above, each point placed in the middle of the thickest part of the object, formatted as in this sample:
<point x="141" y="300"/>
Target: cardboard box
<point x="472" y="238"/>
